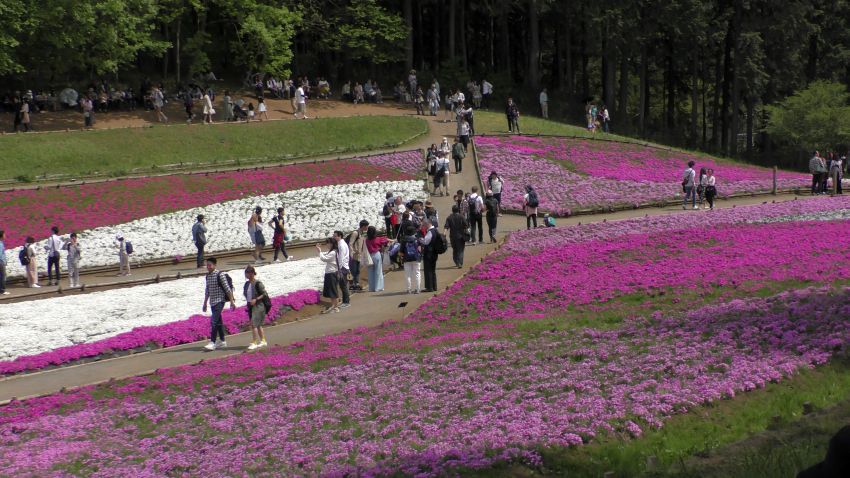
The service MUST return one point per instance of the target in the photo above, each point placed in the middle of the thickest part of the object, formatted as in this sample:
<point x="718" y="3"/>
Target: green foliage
<point x="11" y="11"/>
<point x="264" y="34"/>
<point x="816" y="117"/>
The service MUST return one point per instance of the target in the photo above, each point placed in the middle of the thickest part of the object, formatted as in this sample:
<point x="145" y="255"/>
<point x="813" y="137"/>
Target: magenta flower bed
<point x="470" y="405"/>
<point x="75" y="208"/>
<point x="193" y="329"/>
<point x="573" y="174"/>
<point x="408" y="162"/>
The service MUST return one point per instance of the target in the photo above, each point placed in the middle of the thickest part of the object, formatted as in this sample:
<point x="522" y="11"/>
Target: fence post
<point x="774" y="180"/>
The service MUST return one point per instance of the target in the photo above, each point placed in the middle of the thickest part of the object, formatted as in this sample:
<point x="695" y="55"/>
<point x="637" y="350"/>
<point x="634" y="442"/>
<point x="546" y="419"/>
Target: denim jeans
<point x="355" y="272"/>
<point x="52" y="262"/>
<point x="2" y="277"/>
<point x="457" y="250"/>
<point x="216" y="324"/>
<point x="690" y="193"/>
<point x="199" y="260"/>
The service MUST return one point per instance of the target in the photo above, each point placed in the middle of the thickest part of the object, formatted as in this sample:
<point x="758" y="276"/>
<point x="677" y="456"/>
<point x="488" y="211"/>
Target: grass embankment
<point x="120" y="152"/>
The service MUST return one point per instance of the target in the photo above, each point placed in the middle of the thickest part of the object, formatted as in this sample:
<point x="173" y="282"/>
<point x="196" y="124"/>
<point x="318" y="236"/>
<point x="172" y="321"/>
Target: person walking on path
<point x="430" y="255"/>
<point x="530" y="203"/>
<point x="441" y="175"/>
<point x="458" y="154"/>
<point x="703" y="178"/>
<point x="492" y="210"/>
<point x="544" y="104"/>
<point x="463" y="133"/>
<point x="199" y="237"/>
<point x="218" y="290"/>
<point x="360" y="256"/>
<point x="262" y="110"/>
<point x="88" y="111"/>
<point x="688" y="186"/>
<point x="411" y="253"/>
<point x="710" y="188"/>
<point x="28" y="260"/>
<point x="512" y="113"/>
<point x="3" y="290"/>
<point x="52" y="247"/>
<point x="25" y="115"/>
<point x="278" y="224"/>
<point x="375" y="246"/>
<point x="158" y="103"/>
<point x="255" y="232"/>
<point x="74" y="250"/>
<point x="343" y="258"/>
<point x="258" y="305"/>
<point x="330" y="286"/>
<point x="476" y="210"/>
<point x="209" y="111"/>
<point x="468" y="114"/>
<point x="496" y="184"/>
<point x="455" y="228"/>
<point x="300" y="103"/>
<point x="123" y="256"/>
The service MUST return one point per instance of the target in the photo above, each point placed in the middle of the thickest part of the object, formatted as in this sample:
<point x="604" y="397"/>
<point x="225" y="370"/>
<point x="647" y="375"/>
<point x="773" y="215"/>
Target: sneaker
<point x="263" y="344"/>
<point x="36" y="286"/>
<point x="684" y="207"/>
<point x="290" y="258"/>
<point x="210" y="346"/>
<point x="6" y="293"/>
<point x="221" y="344"/>
<point x="696" y="207"/>
<point x="409" y="291"/>
<point x="334" y="310"/>
<point x="252" y="346"/>
<point x="328" y="310"/>
<point x="277" y="261"/>
<point x="344" y="305"/>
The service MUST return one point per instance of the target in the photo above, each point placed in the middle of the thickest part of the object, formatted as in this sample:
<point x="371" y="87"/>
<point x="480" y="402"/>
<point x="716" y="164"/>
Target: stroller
<point x="239" y="114"/>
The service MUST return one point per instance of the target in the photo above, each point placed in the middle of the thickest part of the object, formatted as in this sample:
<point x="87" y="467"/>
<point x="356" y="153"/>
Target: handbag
<point x="212" y="111"/>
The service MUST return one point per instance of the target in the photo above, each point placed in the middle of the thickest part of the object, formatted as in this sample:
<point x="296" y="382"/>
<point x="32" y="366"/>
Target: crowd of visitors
<point x="827" y="172"/>
<point x="699" y="191"/>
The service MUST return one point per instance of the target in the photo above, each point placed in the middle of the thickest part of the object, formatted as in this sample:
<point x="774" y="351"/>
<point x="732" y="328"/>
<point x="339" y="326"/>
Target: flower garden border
<point x="623" y="207"/>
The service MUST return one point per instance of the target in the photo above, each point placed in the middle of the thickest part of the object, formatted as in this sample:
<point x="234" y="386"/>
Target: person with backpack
<point x="463" y="132"/>
<point x="52" y="248"/>
<point x="3" y="290"/>
<point x="375" y="246"/>
<point x="27" y="258"/>
<point x="411" y="253"/>
<point x="441" y="175"/>
<point x="458" y="153"/>
<point x="218" y="290"/>
<point x="456" y="226"/>
<point x="199" y="237"/>
<point x="278" y="225"/>
<point x="530" y="202"/>
<point x="491" y="208"/>
<point x="74" y="249"/>
<point x="259" y="304"/>
<point x="387" y="212"/>
<point x="330" y="285"/>
<point x="431" y="212"/>
<point x="359" y="254"/>
<point x="432" y="247"/>
<point x="124" y="251"/>
<point x="476" y="210"/>
<point x="496" y="184"/>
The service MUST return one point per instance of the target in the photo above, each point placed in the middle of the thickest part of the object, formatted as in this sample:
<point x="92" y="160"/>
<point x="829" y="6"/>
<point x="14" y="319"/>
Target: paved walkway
<point x="368" y="309"/>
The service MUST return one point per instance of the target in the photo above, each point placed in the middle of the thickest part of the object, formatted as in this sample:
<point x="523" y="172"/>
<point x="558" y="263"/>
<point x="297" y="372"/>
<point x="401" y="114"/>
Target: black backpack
<point x="24" y="257"/>
<point x="227" y="278"/>
<point x="473" y="206"/>
<point x="533" y="201"/>
<point x="439" y="244"/>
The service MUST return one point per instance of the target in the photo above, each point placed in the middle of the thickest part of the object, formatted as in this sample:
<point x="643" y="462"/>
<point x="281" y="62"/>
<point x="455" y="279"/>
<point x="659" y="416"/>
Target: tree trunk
<point x="727" y="93"/>
<point x="694" y="97"/>
<point x="585" y="80"/>
<point x="644" y="90"/>
<point x="452" y="30"/>
<point x="533" y="77"/>
<point x="418" y="44"/>
<point x="462" y="28"/>
<point x="556" y="60"/>
<point x="505" y="43"/>
<point x="408" y="44"/>
<point x="177" y="48"/>
<point x="812" y="62"/>
<point x="435" y="46"/>
<point x="623" y="105"/>
<point x="750" y="113"/>
<point x="491" y="42"/>
<point x="165" y="56"/>
<point x="735" y="118"/>
<point x="608" y="70"/>
<point x="716" y="127"/>
<point x="671" y="90"/>
<point x="569" y="74"/>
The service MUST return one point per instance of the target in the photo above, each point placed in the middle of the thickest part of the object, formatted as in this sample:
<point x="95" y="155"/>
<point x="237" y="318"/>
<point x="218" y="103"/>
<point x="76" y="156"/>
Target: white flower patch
<point x="34" y="327"/>
<point x="311" y="213"/>
<point x="834" y="215"/>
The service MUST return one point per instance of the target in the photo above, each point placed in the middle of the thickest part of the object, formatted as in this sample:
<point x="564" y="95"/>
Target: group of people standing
<point x="826" y="169"/>
<point x="702" y="189"/>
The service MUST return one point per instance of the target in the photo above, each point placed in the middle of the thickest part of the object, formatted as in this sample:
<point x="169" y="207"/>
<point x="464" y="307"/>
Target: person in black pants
<point x="492" y="211"/>
<point x="199" y="237"/>
<point x="429" y="256"/>
<point x="455" y="228"/>
<point x="476" y="220"/>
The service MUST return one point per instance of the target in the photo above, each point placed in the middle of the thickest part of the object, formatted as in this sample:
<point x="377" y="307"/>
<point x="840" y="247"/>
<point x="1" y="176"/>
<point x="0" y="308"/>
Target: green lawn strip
<point x="703" y="432"/>
<point x="118" y="152"/>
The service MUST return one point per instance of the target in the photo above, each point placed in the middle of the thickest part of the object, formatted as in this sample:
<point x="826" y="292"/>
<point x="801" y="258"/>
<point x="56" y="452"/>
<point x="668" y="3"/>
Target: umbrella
<point x="68" y="96"/>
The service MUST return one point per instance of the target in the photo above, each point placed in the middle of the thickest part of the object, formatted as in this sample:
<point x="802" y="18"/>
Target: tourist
<point x="412" y="81"/>
<point x="199" y="237"/>
<point x="387" y="213"/>
<point x="3" y="290"/>
<point x="218" y="290"/>
<point x="441" y="175"/>
<point x="688" y="186"/>
<point x="548" y="220"/>
<point x="492" y="210"/>
<point x="343" y="253"/>
<point x="359" y="254"/>
<point x="496" y="184"/>
<point x="228" y="106"/>
<point x="431" y="212"/>
<point x="606" y="119"/>
<point x="433" y="99"/>
<point x="476" y="95"/>
<point x="258" y="305"/>
<point x="835" y="169"/>
<point x="398" y="210"/>
<point x="462" y="203"/>
<point x="158" y="102"/>
<point x="703" y="177"/>
<point x="469" y="115"/>
<point x="52" y="248"/>
<point x="419" y="101"/>
<point x="463" y="133"/>
<point x="429" y="255"/>
<point x="450" y="105"/>
<point x="814" y="171"/>
<point x="74" y="250"/>
<point x="375" y="246"/>
<point x="330" y="287"/>
<point x="123" y="256"/>
<point x="455" y="228"/>
<point x="278" y="224"/>
<point x="261" y="107"/>
<point x="512" y="114"/>
<point x="255" y="232"/>
<point x="411" y="253"/>
<point x="25" y="115"/>
<point x="710" y="188"/>
<point x="250" y="112"/>
<point x="188" y="106"/>
<point x="88" y="111"/>
<point x="16" y="109"/>
<point x="209" y="111"/>
<point x="300" y="103"/>
<point x="544" y="104"/>
<point x="458" y="153"/>
<point x="346" y="91"/>
<point x="530" y="202"/>
<point x="28" y="260"/>
<point x="476" y="210"/>
<point x="358" y="93"/>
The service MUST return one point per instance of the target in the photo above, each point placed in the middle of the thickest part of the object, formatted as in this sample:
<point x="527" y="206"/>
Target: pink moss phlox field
<point x="26" y="212"/>
<point x="473" y="404"/>
<point x="571" y="174"/>
<point x="193" y="329"/>
<point x="408" y="162"/>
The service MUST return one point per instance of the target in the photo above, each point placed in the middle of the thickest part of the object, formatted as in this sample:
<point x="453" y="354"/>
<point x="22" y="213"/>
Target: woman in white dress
<point x="208" y="109"/>
<point x="261" y="107"/>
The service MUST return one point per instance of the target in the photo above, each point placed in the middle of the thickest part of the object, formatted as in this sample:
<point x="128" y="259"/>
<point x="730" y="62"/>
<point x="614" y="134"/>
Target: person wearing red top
<point x="375" y="245"/>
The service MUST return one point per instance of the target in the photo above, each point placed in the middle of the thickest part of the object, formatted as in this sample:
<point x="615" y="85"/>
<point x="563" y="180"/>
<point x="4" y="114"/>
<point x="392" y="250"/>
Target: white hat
<point x="119" y="237"/>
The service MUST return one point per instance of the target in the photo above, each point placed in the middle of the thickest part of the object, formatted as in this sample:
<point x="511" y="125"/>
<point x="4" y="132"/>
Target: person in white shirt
<point x="52" y="247"/>
<point x="486" y="91"/>
<point x="544" y="104"/>
<point x="343" y="257"/>
<point x="606" y="118"/>
<point x="300" y="103"/>
<point x="476" y="209"/>
<point x="441" y="176"/>
<point x="688" y="186"/>
<point x="710" y="189"/>
<point x="123" y="256"/>
<point x="73" y="248"/>
<point x="31" y="266"/>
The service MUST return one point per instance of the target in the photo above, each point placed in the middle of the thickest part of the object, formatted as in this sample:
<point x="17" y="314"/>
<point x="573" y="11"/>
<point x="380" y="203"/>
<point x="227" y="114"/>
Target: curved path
<point x="368" y="309"/>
